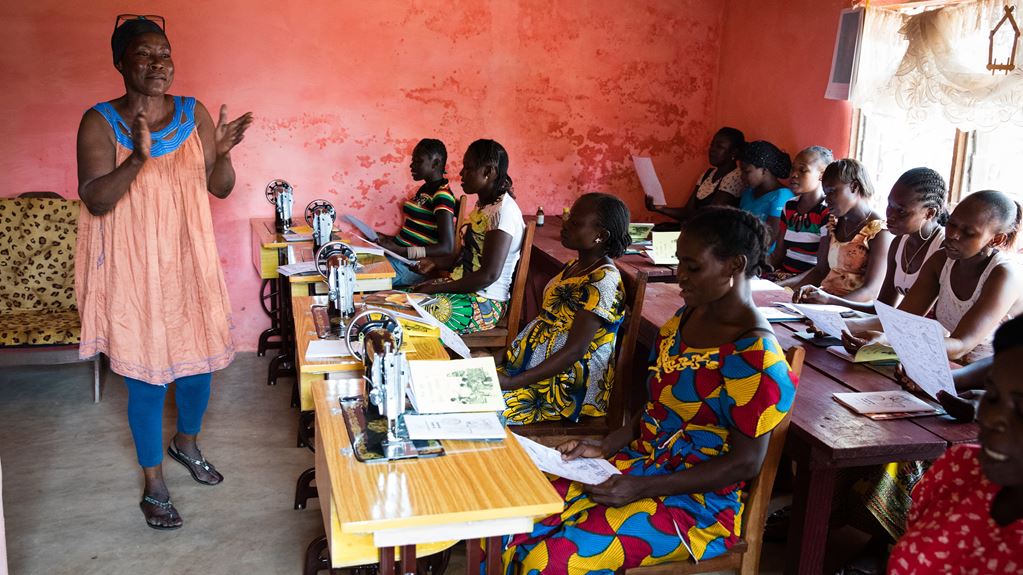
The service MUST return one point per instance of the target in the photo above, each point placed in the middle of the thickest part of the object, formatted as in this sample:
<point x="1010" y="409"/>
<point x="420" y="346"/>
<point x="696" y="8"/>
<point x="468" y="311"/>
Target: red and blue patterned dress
<point x="699" y="397"/>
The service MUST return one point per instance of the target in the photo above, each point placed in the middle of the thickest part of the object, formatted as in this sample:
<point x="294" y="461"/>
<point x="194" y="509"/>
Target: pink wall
<point x="342" y="90"/>
<point x="775" y="61"/>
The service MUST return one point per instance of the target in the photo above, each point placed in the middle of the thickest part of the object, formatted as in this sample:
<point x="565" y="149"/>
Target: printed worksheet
<point x="456" y="386"/>
<point x="920" y="345"/>
<point x="648" y="179"/>
<point x="827" y="320"/>
<point x="584" y="470"/>
<point x="467" y="426"/>
<point x="896" y="401"/>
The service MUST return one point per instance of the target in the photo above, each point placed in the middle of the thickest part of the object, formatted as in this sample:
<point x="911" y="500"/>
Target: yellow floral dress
<point x="582" y="389"/>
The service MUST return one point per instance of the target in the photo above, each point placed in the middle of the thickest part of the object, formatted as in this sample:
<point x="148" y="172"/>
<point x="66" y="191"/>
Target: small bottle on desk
<point x="539" y="216"/>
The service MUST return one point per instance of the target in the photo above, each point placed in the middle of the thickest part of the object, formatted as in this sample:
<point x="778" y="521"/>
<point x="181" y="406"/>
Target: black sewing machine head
<point x="337" y="263"/>
<point x="319" y="214"/>
<point x="375" y="423"/>
<point x="282" y="196"/>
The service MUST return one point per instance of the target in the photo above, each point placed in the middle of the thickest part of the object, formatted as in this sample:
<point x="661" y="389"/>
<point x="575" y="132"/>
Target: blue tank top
<point x="165" y="140"/>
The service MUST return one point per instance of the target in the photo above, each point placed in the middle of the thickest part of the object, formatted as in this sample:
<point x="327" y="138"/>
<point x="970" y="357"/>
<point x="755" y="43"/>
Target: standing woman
<point x="151" y="293"/>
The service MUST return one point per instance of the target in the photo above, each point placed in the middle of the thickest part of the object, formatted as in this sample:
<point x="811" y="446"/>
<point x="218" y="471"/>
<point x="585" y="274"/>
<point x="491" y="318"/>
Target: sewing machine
<point x="374" y="420"/>
<point x="282" y="196"/>
<point x="337" y="263"/>
<point x="319" y="214"/>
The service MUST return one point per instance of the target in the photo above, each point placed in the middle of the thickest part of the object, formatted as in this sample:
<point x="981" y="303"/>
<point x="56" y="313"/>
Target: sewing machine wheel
<point x="273" y="186"/>
<point x="314" y="207"/>
<point x="330" y="249"/>
<point x="366" y="323"/>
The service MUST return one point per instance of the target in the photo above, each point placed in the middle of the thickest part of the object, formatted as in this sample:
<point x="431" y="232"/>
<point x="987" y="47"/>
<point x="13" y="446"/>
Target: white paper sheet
<point x="920" y="344"/>
<point x="383" y="250"/>
<point x="301" y="268"/>
<point x="456" y="386"/>
<point x="448" y="337"/>
<point x="584" y="470"/>
<point x="759" y="284"/>
<point x="664" y="248"/>
<point x="776" y="314"/>
<point x="648" y="179"/>
<point x="469" y="426"/>
<point x="827" y="320"/>
<point x="326" y="349"/>
<point x="361" y="226"/>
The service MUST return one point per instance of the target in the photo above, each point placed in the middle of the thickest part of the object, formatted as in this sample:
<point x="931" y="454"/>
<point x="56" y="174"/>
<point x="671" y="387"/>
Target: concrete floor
<point x="71" y="483"/>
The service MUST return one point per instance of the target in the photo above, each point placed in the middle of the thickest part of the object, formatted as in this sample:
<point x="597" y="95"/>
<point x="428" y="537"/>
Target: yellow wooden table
<point x="476" y="491"/>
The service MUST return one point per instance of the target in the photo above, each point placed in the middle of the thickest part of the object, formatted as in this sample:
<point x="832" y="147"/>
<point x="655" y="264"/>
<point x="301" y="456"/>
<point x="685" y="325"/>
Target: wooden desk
<point x="825" y="436"/>
<point x="547" y="246"/>
<point x="477" y="490"/>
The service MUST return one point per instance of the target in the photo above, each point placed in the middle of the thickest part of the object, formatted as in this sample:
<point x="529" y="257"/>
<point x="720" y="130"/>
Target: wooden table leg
<point x="386" y="561"/>
<point x="408" y="560"/>
<point x="814" y="489"/>
<point x="473" y="556"/>
<point x="494" y="548"/>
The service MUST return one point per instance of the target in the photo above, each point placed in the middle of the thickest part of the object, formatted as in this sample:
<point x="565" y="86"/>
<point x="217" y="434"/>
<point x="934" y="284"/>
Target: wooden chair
<point x="461" y="217"/>
<point x="744" y="556"/>
<point x="625" y="381"/>
<point x="502" y="335"/>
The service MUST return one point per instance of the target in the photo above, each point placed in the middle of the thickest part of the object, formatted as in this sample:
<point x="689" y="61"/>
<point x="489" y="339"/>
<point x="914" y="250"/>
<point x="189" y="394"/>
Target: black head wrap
<point x="762" y="154"/>
<point x="127" y="31"/>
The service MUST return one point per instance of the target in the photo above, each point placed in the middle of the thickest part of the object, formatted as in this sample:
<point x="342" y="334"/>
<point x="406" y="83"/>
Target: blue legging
<point x="145" y="412"/>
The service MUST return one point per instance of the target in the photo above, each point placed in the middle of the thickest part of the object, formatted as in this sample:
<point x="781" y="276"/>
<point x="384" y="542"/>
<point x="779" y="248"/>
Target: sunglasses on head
<point x="155" y="18"/>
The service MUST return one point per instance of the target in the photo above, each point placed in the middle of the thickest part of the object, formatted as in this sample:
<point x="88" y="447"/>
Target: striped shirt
<point x="420" y="225"/>
<point x="802" y="235"/>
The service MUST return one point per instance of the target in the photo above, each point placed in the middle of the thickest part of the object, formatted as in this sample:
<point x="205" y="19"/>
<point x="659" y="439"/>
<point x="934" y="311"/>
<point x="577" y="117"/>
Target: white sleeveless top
<point x="902" y="280"/>
<point x="949" y="309"/>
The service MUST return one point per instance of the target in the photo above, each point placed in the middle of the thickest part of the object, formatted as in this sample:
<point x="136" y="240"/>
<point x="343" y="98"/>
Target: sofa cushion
<point x="37" y="246"/>
<point x="43" y="327"/>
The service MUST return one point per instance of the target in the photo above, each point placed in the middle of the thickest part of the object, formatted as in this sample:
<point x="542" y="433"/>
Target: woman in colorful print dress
<point x="967" y="514"/>
<point x="473" y="287"/>
<point x="718" y="385"/>
<point x="561" y="365"/>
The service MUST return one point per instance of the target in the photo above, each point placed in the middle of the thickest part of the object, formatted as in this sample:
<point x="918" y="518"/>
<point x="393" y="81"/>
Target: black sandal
<point x="167" y="506"/>
<point x="193" y="464"/>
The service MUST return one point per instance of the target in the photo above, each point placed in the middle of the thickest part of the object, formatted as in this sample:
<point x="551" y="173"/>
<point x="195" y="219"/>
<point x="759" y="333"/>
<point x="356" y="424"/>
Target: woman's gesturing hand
<point x="141" y="138"/>
<point x="228" y="134"/>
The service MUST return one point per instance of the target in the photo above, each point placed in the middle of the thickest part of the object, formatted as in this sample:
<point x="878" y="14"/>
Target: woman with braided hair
<point x="763" y="165"/>
<point x="718" y="386"/>
<point x="561" y="365"/>
<point x="473" y="285"/>
<point x="916" y="216"/>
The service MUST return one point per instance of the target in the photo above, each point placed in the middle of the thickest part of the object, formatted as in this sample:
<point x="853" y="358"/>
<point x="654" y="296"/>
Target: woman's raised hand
<point x="141" y="138"/>
<point x="576" y="448"/>
<point x="228" y="134"/>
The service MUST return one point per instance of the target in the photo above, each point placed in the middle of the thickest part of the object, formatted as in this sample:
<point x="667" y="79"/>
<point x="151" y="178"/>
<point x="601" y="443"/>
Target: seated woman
<point x="851" y="261"/>
<point x="477" y="286"/>
<point x="973" y="287"/>
<point x="428" y="228"/>
<point x="915" y="215"/>
<point x="719" y="384"/>
<point x="720" y="185"/>
<point x="804" y="219"/>
<point x="762" y="165"/>
<point x="967" y="514"/>
<point x="562" y="364"/>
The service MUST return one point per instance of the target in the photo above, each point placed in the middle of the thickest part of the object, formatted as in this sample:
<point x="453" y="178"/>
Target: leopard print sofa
<point x="37" y="272"/>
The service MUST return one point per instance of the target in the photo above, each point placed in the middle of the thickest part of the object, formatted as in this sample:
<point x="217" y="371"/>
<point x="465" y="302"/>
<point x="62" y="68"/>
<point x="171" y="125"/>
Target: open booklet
<point x="880" y="405"/>
<point x="455" y="386"/>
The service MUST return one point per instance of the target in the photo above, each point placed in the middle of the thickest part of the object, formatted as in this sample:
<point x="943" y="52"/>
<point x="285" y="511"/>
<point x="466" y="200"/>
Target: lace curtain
<point x="932" y="65"/>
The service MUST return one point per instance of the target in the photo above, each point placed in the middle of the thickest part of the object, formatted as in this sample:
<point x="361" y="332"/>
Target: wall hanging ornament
<point x="1010" y="62"/>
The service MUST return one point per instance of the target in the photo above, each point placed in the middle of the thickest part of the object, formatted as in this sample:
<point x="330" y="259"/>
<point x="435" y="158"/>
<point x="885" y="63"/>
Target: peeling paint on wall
<point x="342" y="91"/>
